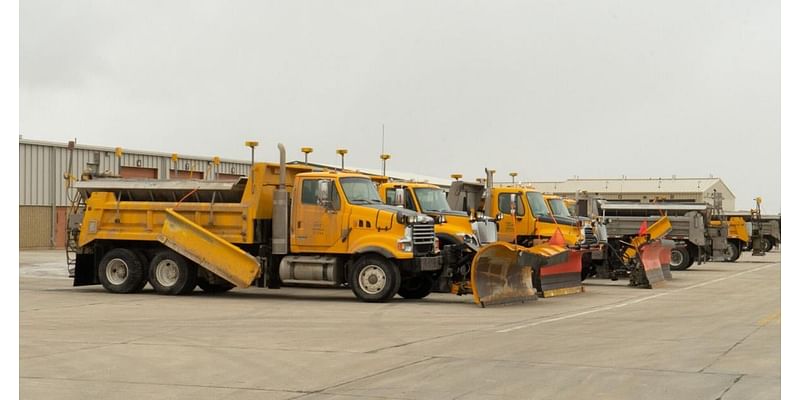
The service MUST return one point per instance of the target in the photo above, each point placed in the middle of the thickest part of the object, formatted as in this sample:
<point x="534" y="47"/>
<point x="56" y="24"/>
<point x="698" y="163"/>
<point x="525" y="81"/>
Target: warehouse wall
<point x="35" y="226"/>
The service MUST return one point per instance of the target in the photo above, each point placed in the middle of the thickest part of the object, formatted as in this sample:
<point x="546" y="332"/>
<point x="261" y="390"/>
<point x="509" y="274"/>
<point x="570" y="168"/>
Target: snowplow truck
<point x="281" y="225"/>
<point x="462" y="237"/>
<point x="641" y="254"/>
<point x="770" y="228"/>
<point x="517" y="224"/>
<point x="696" y="239"/>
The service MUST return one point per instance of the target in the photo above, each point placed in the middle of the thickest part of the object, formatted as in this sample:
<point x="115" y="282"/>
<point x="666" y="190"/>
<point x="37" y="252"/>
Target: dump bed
<point x="237" y="211"/>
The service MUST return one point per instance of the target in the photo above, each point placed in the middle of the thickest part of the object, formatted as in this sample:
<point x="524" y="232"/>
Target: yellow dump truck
<point x="281" y="225"/>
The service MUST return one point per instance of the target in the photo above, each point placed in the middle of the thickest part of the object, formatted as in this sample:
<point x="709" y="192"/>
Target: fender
<point x="375" y="249"/>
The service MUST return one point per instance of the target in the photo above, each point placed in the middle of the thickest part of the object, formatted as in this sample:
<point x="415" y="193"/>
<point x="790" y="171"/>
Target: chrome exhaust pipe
<point x="280" y="210"/>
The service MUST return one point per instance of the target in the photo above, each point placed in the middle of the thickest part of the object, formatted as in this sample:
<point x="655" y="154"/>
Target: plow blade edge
<point x="502" y="273"/>
<point x="650" y="270"/>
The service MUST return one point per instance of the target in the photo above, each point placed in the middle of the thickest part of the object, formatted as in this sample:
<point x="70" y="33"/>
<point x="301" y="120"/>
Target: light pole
<point x="306" y="151"/>
<point x="252" y="145"/>
<point x="341" y="152"/>
<point x="385" y="157"/>
<point x="513" y="175"/>
<point x="456" y="176"/>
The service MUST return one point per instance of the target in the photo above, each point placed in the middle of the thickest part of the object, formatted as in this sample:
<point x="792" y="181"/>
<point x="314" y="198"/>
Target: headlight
<point x="405" y="243"/>
<point x="468" y="238"/>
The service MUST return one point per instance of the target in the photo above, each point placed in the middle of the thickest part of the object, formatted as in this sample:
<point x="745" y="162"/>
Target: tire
<point x="416" y="287"/>
<point x="171" y="273"/>
<point x="680" y="259"/>
<point x="121" y="271"/>
<point x="769" y="243"/>
<point x="374" y="279"/>
<point x="214" y="287"/>
<point x="145" y="264"/>
<point x="733" y="251"/>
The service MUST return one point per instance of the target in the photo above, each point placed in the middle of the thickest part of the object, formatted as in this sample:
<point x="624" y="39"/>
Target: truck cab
<point x="527" y="218"/>
<point x="454" y="227"/>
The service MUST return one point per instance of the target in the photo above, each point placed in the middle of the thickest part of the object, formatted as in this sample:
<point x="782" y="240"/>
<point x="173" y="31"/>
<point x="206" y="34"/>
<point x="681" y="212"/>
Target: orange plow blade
<point x="560" y="274"/>
<point x="650" y="271"/>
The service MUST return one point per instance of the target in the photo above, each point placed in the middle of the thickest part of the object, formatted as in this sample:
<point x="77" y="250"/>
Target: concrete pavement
<point x="713" y="332"/>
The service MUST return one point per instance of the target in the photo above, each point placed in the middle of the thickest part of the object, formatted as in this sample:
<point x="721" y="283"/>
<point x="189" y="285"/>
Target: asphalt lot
<point x="713" y="333"/>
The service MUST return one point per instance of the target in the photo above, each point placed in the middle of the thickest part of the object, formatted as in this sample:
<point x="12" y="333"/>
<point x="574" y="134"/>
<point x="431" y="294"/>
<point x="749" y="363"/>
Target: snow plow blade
<point x="560" y="272"/>
<point x="503" y="273"/>
<point x="650" y="271"/>
<point x="666" y="253"/>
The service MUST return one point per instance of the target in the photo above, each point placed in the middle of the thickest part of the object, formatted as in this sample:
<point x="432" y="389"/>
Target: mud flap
<point x="648" y="272"/>
<point x="559" y="273"/>
<point x="503" y="273"/>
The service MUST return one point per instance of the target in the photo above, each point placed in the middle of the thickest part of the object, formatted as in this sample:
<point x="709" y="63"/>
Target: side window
<point x="504" y="204"/>
<point x="390" y="196"/>
<point x="309" y="193"/>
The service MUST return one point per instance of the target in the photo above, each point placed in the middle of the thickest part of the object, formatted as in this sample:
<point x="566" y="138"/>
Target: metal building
<point x="645" y="189"/>
<point x="42" y="187"/>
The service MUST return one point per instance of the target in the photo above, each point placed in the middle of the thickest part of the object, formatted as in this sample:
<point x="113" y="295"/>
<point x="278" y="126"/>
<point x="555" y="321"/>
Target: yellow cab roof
<point x="413" y="185"/>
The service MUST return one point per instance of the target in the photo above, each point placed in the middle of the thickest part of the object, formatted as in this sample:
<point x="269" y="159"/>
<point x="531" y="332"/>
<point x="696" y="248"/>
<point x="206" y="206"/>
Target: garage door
<point x="185" y="174"/>
<point x="138" y="173"/>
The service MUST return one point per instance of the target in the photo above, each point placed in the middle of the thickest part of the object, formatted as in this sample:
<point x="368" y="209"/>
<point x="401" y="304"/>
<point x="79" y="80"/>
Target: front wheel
<point x="769" y="243"/>
<point x="732" y="252"/>
<point x="416" y="287"/>
<point x="679" y="259"/>
<point x="374" y="279"/>
<point x="171" y="273"/>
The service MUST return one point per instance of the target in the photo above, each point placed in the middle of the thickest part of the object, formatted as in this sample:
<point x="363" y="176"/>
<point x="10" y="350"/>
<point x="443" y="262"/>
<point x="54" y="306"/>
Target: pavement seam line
<point x="395" y="368"/>
<point x="724" y="392"/>
<point x="166" y="384"/>
<point x="632" y="302"/>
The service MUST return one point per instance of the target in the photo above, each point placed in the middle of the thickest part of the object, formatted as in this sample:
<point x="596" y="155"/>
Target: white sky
<point x="550" y="89"/>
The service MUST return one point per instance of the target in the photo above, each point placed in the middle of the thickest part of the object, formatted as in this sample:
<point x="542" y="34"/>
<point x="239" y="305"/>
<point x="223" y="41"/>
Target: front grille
<point x="422" y="236"/>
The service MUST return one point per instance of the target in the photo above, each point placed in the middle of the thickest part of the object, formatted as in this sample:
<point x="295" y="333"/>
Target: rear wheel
<point x="679" y="259"/>
<point x="374" y="279"/>
<point x="732" y="252"/>
<point x="769" y="243"/>
<point x="171" y="273"/>
<point x="416" y="287"/>
<point x="121" y="271"/>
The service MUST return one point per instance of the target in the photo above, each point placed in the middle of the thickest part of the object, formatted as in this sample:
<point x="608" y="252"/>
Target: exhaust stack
<point x="280" y="210"/>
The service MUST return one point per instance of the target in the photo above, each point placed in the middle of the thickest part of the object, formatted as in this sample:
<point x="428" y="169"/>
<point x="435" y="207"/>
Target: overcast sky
<point x="550" y="88"/>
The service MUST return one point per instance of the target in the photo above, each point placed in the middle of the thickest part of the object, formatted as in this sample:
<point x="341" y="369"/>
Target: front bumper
<point x="426" y="264"/>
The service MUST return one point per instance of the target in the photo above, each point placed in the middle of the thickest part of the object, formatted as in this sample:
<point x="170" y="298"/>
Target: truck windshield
<point x="360" y="191"/>
<point x="558" y="207"/>
<point x="431" y="200"/>
<point x="537" y="204"/>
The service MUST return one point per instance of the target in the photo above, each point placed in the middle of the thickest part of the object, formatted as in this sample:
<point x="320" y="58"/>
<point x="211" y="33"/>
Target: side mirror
<point x="513" y="204"/>
<point x="324" y="193"/>
<point x="400" y="197"/>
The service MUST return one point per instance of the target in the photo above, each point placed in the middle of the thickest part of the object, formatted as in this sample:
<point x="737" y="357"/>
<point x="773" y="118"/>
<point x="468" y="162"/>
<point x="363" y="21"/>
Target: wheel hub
<point x="676" y="258"/>
<point x="372" y="279"/>
<point x="117" y="271"/>
<point x="167" y="273"/>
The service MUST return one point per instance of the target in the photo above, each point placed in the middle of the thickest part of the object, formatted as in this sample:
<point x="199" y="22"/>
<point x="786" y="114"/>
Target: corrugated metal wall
<point x="42" y="166"/>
